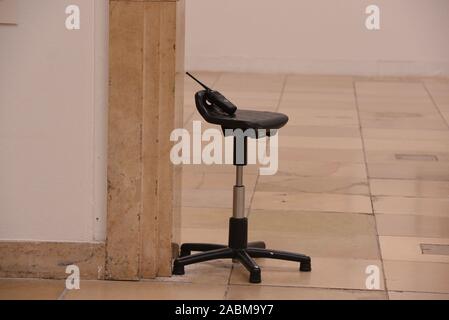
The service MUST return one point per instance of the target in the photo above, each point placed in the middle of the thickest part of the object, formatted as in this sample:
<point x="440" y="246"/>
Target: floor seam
<point x="62" y="295"/>
<point x="369" y="187"/>
<point x="435" y="103"/>
<point x="412" y="291"/>
<point x="307" y="287"/>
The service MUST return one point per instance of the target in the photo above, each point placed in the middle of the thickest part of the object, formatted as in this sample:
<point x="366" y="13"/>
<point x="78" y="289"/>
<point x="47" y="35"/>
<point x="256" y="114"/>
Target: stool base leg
<point x="188" y="248"/>
<point x="180" y="263"/>
<point x="244" y="256"/>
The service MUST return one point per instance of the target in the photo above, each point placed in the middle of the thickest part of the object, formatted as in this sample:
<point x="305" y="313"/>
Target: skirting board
<point x="49" y="260"/>
<point x="285" y="65"/>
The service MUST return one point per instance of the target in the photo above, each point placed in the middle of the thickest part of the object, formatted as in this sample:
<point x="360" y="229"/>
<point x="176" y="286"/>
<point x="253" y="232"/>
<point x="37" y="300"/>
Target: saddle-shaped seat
<point x="241" y="119"/>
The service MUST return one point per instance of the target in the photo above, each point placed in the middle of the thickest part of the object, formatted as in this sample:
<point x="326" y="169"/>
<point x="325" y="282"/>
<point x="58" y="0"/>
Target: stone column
<point x="145" y="105"/>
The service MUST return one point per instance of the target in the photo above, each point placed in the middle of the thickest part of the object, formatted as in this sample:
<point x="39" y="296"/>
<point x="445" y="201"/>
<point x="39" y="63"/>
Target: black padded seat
<point x="242" y="119"/>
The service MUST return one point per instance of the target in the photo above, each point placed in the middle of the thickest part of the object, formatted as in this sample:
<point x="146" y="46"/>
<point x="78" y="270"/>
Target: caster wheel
<point x="305" y="266"/>
<point x="255" y="276"/>
<point x="178" y="270"/>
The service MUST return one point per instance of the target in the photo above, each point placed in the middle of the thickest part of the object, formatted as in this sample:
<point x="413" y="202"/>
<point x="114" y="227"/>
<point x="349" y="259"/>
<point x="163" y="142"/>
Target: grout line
<point x="412" y="291"/>
<point x="62" y="295"/>
<point x="188" y="119"/>
<point x="411" y="197"/>
<point x="435" y="104"/>
<point x="369" y="186"/>
<point x="281" y="97"/>
<point x="307" y="287"/>
<point x="291" y="210"/>
<point x="228" y="284"/>
<point x="407" y="179"/>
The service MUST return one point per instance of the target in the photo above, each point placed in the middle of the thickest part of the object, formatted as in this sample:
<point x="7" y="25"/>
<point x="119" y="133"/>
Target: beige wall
<point x="53" y="97"/>
<point x="318" y="36"/>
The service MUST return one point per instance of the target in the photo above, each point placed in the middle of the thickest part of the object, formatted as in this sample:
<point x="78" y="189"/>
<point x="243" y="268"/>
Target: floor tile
<point x="288" y="183"/>
<point x="203" y="235"/>
<point x="398" y="295"/>
<point x="320" y="142"/>
<point x="429" y="123"/>
<point x="417" y="276"/>
<point x="327" y="273"/>
<point x="311" y="201"/>
<point x="322" y="84"/>
<point x="413" y="112"/>
<point x="265" y="96"/>
<point x="401" y="146"/>
<point x="313" y="112"/>
<point x="409" y="188"/>
<point x="390" y="106"/>
<point x="409" y="249"/>
<point x="412" y="135"/>
<point x="318" y="100"/>
<point x="211" y="198"/>
<point x="390" y="88"/>
<point x="255" y="103"/>
<point x="207" y="218"/>
<point x="146" y="290"/>
<point x="412" y="226"/>
<point x="313" y="154"/>
<point x="211" y="181"/>
<point x="242" y="292"/>
<point x="445" y="115"/>
<point x="321" y="116"/>
<point x="437" y="86"/>
<point x="322" y="169"/>
<point x="318" y="234"/>
<point x="30" y="289"/>
<point x="413" y="161"/>
<point x="413" y="171"/>
<point x="216" y="272"/>
<point x="411" y="206"/>
<point x="321" y="131"/>
<point x="440" y="94"/>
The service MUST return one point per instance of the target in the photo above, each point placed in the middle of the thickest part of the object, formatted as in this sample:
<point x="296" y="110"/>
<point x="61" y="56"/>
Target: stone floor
<point x="363" y="185"/>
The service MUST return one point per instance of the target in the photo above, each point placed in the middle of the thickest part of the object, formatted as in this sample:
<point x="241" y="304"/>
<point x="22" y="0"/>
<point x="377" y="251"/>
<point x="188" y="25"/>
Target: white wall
<point x="318" y="36"/>
<point x="53" y="94"/>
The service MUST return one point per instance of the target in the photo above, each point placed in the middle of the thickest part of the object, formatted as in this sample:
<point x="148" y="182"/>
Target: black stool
<point x="251" y="123"/>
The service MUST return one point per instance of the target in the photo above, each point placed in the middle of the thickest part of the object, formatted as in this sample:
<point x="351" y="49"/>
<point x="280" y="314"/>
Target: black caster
<point x="255" y="276"/>
<point x="305" y="266"/>
<point x="178" y="270"/>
